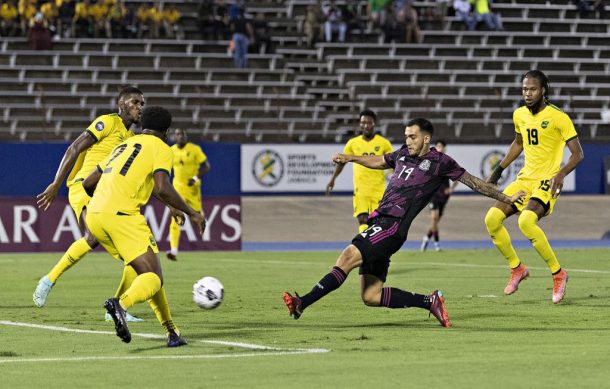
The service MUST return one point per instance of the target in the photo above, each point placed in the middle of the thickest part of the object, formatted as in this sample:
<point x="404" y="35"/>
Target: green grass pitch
<point x="518" y="341"/>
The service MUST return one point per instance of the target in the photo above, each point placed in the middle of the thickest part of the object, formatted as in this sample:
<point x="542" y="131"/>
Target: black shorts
<point x="438" y="204"/>
<point x="384" y="236"/>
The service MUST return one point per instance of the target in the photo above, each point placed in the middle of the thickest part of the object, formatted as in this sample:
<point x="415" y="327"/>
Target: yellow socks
<point x="142" y="288"/>
<point x="160" y="306"/>
<point x="528" y="223"/>
<point x="499" y="236"/>
<point x="128" y="276"/>
<point x="362" y="227"/>
<point x="75" y="252"/>
<point x="174" y="235"/>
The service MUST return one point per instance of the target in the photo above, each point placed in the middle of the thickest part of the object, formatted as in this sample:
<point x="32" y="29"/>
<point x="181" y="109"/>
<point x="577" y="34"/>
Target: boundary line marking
<point x="273" y="351"/>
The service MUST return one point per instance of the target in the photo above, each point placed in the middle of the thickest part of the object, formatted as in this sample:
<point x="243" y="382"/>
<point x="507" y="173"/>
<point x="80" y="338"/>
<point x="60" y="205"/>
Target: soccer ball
<point x="208" y="293"/>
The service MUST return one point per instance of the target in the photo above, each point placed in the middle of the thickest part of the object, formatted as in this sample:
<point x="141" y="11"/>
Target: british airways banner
<point x="25" y="228"/>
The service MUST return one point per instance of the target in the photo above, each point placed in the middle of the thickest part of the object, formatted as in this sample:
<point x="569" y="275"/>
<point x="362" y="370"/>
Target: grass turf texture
<point x="518" y="341"/>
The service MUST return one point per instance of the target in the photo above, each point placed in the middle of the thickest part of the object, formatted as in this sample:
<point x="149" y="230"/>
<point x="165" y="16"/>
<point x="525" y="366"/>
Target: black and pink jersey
<point x="415" y="180"/>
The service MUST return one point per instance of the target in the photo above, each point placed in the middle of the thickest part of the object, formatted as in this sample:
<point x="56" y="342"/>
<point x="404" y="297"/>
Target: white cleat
<point x="128" y="317"/>
<point x="42" y="291"/>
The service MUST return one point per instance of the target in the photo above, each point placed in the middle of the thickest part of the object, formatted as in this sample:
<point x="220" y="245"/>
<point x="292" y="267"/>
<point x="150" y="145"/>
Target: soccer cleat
<point x="424" y="244"/>
<point x="293" y="304"/>
<point x="42" y="291"/>
<point x="118" y="315"/>
<point x="174" y="340"/>
<point x="559" y="285"/>
<point x="171" y="256"/>
<point x="437" y="308"/>
<point x="437" y="246"/>
<point x="128" y="316"/>
<point x="517" y="275"/>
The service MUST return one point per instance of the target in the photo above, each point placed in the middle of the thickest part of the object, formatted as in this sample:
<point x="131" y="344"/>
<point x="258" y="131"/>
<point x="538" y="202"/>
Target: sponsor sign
<point x="25" y="228"/>
<point x="291" y="168"/>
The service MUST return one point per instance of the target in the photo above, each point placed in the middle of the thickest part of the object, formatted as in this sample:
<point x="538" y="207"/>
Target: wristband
<point x="195" y="178"/>
<point x="496" y="174"/>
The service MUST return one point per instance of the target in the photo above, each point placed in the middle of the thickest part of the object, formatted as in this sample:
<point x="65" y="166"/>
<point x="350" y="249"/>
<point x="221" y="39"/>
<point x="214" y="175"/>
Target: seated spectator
<point x="116" y="25"/>
<point x="221" y="20"/>
<point x="82" y="24"/>
<point x="65" y="17"/>
<point x="171" y="22"/>
<point x="39" y="35"/>
<point x="413" y="33"/>
<point x="463" y="12"/>
<point x="395" y="29"/>
<point x="262" y="35"/>
<point x="377" y="10"/>
<point x="483" y="13"/>
<point x="132" y="26"/>
<point x="351" y="15"/>
<point x="149" y="19"/>
<point x="333" y="21"/>
<point x="205" y="20"/>
<point x="98" y="12"/>
<point x="313" y="24"/>
<point x="235" y="9"/>
<point x="9" y="19"/>
<point x="51" y="14"/>
<point x="27" y="10"/>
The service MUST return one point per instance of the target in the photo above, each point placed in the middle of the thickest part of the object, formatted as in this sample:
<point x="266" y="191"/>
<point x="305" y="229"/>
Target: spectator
<point x="27" y="10"/>
<point x="171" y="22"/>
<point x="483" y="12"/>
<point x="99" y="13"/>
<point x="413" y="33"/>
<point x="132" y="27"/>
<point x="242" y="34"/>
<point x="66" y="16"/>
<point x="235" y="9"/>
<point x="82" y="24"/>
<point x="262" y="35"/>
<point x="205" y="19"/>
<point x="313" y="24"/>
<point x="395" y="29"/>
<point x="377" y="10"/>
<point x="221" y="20"/>
<point x="333" y="21"/>
<point x="584" y="8"/>
<point x="9" y="19"/>
<point x="463" y="12"/>
<point x="39" y="35"/>
<point x="351" y="15"/>
<point x="115" y="21"/>
<point x="600" y="7"/>
<point x="51" y="14"/>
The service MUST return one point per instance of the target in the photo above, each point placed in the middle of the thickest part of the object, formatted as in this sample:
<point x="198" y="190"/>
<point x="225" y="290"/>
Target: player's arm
<point x="164" y="191"/>
<point x="82" y="143"/>
<point x="576" y="156"/>
<point x="370" y="161"/>
<point x="204" y="168"/>
<point x="331" y="184"/>
<point x="515" y="149"/>
<point x="90" y="183"/>
<point x="487" y="189"/>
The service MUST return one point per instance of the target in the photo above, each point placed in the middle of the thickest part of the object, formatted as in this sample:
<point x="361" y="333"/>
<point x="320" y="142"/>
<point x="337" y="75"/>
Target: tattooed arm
<point x="487" y="189"/>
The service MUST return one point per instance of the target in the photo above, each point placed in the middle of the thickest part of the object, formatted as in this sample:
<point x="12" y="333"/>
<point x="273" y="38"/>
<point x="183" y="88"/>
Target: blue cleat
<point x="118" y="315"/>
<point x="128" y="316"/>
<point x="42" y="291"/>
<point x="174" y="340"/>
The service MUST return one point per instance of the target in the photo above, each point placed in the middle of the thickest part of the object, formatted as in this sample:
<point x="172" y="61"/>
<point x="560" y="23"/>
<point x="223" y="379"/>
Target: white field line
<point x="250" y="346"/>
<point x="407" y="263"/>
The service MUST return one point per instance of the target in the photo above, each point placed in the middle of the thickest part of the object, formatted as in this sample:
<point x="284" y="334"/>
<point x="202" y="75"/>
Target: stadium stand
<point x="466" y="81"/>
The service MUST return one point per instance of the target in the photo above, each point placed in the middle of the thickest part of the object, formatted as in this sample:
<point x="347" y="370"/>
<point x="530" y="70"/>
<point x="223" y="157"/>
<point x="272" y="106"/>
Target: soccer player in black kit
<point x="418" y="173"/>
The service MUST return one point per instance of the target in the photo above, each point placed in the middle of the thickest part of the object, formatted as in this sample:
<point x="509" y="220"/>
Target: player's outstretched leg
<point x="559" y="285"/>
<point x="517" y="275"/>
<point x="42" y="291"/>
<point x="117" y="313"/>
<point x="438" y="309"/>
<point x="294" y="304"/>
<point x="174" y="340"/>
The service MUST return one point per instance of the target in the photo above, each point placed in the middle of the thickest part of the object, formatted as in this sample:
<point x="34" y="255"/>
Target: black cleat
<point x="293" y="304"/>
<point x="118" y="316"/>
<point x="174" y="340"/>
<point x="170" y="256"/>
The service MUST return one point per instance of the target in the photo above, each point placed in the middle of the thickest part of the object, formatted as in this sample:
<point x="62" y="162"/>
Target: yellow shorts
<point x="77" y="197"/>
<point x="125" y="237"/>
<point x="365" y="203"/>
<point x="192" y="195"/>
<point x="538" y="189"/>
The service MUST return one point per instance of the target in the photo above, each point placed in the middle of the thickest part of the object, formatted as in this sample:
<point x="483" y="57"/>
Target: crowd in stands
<point x="89" y="19"/>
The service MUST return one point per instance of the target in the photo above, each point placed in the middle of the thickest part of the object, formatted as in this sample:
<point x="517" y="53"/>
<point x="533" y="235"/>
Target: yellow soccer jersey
<point x="109" y="131"/>
<point x="186" y="162"/>
<point x="127" y="175"/>
<point x="544" y="138"/>
<point x="368" y="181"/>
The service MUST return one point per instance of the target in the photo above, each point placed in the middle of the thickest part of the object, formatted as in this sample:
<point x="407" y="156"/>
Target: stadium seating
<point x="467" y="82"/>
